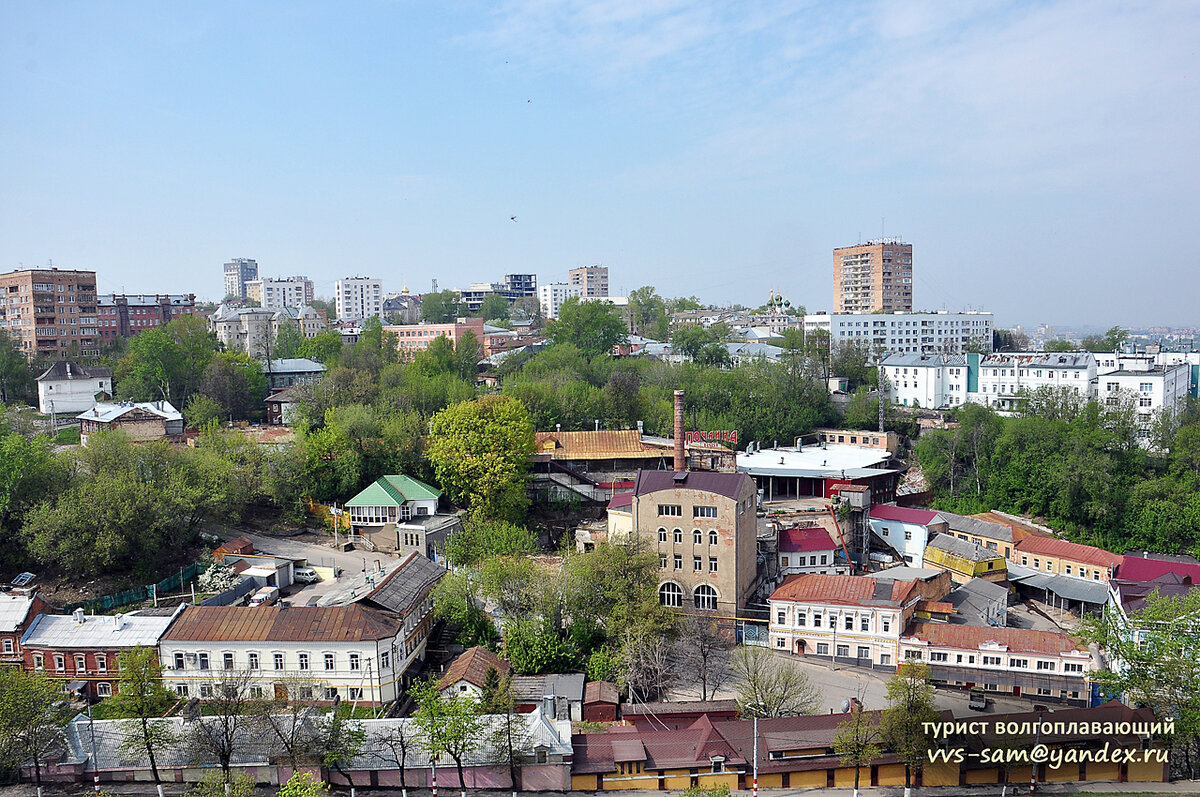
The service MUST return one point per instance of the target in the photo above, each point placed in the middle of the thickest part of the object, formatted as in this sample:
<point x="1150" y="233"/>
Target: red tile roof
<point x="903" y="514"/>
<point x="1052" y="546"/>
<point x="970" y="637"/>
<point x="729" y="485"/>
<point x="810" y="539"/>
<point x="1136" y="568"/>
<point x="620" y="501"/>
<point x="472" y="667"/>
<point x="600" y="692"/>
<point x="844" y="590"/>
<point x="351" y="623"/>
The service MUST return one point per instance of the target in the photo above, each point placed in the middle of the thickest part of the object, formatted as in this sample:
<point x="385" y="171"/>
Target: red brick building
<point x="17" y="612"/>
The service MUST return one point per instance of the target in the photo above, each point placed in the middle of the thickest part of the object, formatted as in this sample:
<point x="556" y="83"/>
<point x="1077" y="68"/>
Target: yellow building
<point x="964" y="560"/>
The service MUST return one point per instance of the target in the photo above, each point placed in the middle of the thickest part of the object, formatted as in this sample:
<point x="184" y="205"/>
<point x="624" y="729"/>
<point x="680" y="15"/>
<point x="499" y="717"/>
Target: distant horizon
<point x="1040" y="157"/>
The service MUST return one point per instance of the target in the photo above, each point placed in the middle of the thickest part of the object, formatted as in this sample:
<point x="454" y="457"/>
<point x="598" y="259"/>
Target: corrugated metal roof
<point x="407" y="585"/>
<point x="394" y="490"/>
<point x="107" y="413"/>
<point x="625" y="444"/>
<point x="473" y="667"/>
<point x="973" y="524"/>
<point x="64" y="370"/>
<point x="729" y="485"/>
<point x="1050" y="546"/>
<point x="351" y="623"/>
<point x="904" y="514"/>
<point x="970" y="637"/>
<point x="1069" y="587"/>
<point x="842" y="590"/>
<point x="963" y="548"/>
<point x="13" y="611"/>
<point x="809" y="539"/>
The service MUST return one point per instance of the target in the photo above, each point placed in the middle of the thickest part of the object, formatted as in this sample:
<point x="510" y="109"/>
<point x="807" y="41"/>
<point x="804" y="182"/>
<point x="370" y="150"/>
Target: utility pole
<point x="92" y="731"/>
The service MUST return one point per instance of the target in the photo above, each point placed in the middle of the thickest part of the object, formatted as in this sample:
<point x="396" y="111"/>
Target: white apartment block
<point x="927" y="380"/>
<point x="275" y="294"/>
<point x="357" y="298"/>
<point x="1005" y="378"/>
<point x="552" y="295"/>
<point x="351" y="652"/>
<point x="1160" y="388"/>
<point x="907" y="333"/>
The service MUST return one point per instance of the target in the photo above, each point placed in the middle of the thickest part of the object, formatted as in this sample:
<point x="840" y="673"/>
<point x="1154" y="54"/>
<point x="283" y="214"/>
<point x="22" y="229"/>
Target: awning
<point x="1065" y="587"/>
<point x="76" y="686"/>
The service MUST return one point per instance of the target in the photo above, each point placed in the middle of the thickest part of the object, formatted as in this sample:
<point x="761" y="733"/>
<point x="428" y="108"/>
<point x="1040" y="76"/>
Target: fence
<point x="138" y="594"/>
<point x="321" y="511"/>
<point x="244" y="587"/>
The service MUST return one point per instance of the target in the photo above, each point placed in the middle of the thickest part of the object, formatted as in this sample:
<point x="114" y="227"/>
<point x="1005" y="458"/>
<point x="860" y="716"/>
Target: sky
<point x="1041" y="157"/>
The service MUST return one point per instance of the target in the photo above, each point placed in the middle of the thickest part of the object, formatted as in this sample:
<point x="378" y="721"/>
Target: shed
<point x="600" y="701"/>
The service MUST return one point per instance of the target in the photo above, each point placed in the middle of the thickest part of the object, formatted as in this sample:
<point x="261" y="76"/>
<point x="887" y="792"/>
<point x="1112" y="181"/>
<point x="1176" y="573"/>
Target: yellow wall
<point x="844" y="776"/>
<point x="816" y="777"/>
<point x="940" y="774"/>
<point x="1102" y="771"/>
<point x="983" y="775"/>
<point x="772" y="781"/>
<point x="1146" y="771"/>
<point x="1066" y="772"/>
<point x="583" y="783"/>
<point x="730" y="779"/>
<point x="891" y="774"/>
<point x="677" y="778"/>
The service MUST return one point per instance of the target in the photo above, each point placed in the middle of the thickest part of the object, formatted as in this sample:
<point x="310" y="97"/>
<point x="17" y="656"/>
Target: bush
<point x="303" y="784"/>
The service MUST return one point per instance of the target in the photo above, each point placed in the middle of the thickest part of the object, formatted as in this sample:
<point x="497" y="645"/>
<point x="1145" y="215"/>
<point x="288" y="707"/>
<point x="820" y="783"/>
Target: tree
<point x="645" y="669"/>
<point x="32" y="716"/>
<point x="648" y="313"/>
<point x="534" y="648"/>
<point x="479" y="540"/>
<point x="771" y="686"/>
<point x="449" y="725"/>
<point x="456" y="599"/>
<point x="594" y="327"/>
<point x="324" y="347"/>
<point x="702" y="652"/>
<point x="509" y="737"/>
<point x="201" y="410"/>
<point x="285" y="718"/>
<point x="16" y="377"/>
<point x="442" y="307"/>
<point x="1059" y="346"/>
<point x="467" y="354"/>
<point x="237" y="383"/>
<point x="166" y="363"/>
<point x="480" y="454"/>
<point x="227" y="720"/>
<point x="494" y="307"/>
<point x="142" y="698"/>
<point x="857" y="741"/>
<point x="528" y="308"/>
<point x="400" y="740"/>
<point x="910" y="707"/>
<point x="215" y="783"/>
<point x="288" y="341"/>
<point x="303" y="784"/>
<point x="338" y="739"/>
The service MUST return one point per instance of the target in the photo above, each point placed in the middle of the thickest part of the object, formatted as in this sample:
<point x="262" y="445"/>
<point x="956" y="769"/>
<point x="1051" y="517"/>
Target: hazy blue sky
<point x="1041" y="157"/>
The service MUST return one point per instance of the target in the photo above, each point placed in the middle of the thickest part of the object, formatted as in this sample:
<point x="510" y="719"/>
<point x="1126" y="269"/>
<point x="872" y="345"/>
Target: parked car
<point x="265" y="596"/>
<point x="305" y="575"/>
<point x="979" y="699"/>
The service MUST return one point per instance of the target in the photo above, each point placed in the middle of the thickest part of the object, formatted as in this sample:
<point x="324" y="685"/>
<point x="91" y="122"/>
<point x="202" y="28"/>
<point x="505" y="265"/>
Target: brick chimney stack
<point x="680" y="449"/>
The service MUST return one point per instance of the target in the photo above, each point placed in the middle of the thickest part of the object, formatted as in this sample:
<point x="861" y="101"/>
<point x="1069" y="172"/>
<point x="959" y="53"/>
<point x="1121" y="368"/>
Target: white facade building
<point x="276" y="294"/>
<point x="552" y="295"/>
<point x="1161" y="388"/>
<point x="907" y="333"/>
<point x="1004" y="378"/>
<point x="927" y="380"/>
<point x="357" y="298"/>
<point x="907" y="529"/>
<point x="69" y="387"/>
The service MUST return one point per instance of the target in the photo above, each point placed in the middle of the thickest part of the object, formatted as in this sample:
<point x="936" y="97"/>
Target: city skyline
<point x="1037" y="156"/>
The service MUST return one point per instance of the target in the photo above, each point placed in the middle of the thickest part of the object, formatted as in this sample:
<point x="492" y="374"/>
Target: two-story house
<point x="704" y="529"/>
<point x="1052" y="555"/>
<point x="906" y="529"/>
<point x="964" y="560"/>
<point x="17" y="613"/>
<point x="809" y="550"/>
<point x="70" y="387"/>
<point x="319" y="652"/>
<point x="390" y="501"/>
<point x="855" y="620"/>
<point x="406" y="594"/>
<point x="84" y="651"/>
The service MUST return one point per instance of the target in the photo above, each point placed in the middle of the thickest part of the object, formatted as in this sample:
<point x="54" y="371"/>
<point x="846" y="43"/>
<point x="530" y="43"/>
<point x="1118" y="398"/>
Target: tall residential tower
<point x="874" y="276"/>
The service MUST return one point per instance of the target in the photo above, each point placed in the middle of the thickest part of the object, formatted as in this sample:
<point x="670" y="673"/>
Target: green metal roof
<point x="394" y="491"/>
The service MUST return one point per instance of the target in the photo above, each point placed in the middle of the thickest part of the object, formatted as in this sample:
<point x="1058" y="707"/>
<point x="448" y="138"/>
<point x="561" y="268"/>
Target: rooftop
<point x="904" y="514"/>
<point x="394" y="490"/>
<point x="472" y="667"/>
<point x="1064" y="549"/>
<point x="120" y="630"/>
<point x="64" y="370"/>
<point x="729" y="485"/>
<point x="1037" y="359"/>
<point x="353" y="623"/>
<point x="407" y="585"/>
<point x="1141" y="568"/>
<point x="14" y="608"/>
<point x="107" y="413"/>
<point x="962" y="548"/>
<point x="817" y="460"/>
<point x="294" y="365"/>
<point x="970" y="637"/>
<point x="976" y="526"/>
<point x="843" y="590"/>
<point x="813" y="538"/>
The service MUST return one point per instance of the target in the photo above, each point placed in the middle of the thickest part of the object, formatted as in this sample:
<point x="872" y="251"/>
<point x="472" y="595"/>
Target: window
<point x="104" y="689"/>
<point x="1020" y="664"/>
<point x="385" y="660"/>
<point x="303" y="657"/>
<point x="781" y="617"/>
<point x="887" y="624"/>
<point x="705" y="597"/>
<point x="178" y="661"/>
<point x="203" y="661"/>
<point x="101" y="663"/>
<point x="39" y="663"/>
<point x="1145" y="387"/>
<point x="712" y="536"/>
<point x="181" y="690"/>
<point x="205" y="690"/>
<point x="1072" y="667"/>
<point x="328" y="661"/>
<point x="1037" y="564"/>
<point x="256" y="692"/>
<point x="670" y="510"/>
<point x="227" y="661"/>
<point x="704" y="511"/>
<point x="697" y="564"/>
<point x="1049" y="566"/>
<point x="843" y="651"/>
<point x="913" y="655"/>
<point x="885" y="658"/>
<point x="662" y="535"/>
<point x="783" y="562"/>
<point x="864" y="652"/>
<point x="354" y="661"/>
<point x="678" y="561"/>
<point x="1067" y="568"/>
<point x="822" y="648"/>
<point x="277" y="660"/>
<point x="991" y="661"/>
<point x="816" y="619"/>
<point x="81" y="663"/>
<point x="8" y="646"/>
<point x="1095" y="575"/>
<point x="908" y="535"/>
<point x="712" y="564"/>
<point x="697" y="537"/>
<point x="662" y="561"/>
<point x="824" y="557"/>
<point x="252" y="658"/>
<point x="849" y="622"/>
<point x="356" y="693"/>
<point x="1044" y="691"/>
<point x="864" y="623"/>
<point x="1048" y="666"/>
<point x="939" y="656"/>
<point x="801" y="618"/>
<point x="670" y="595"/>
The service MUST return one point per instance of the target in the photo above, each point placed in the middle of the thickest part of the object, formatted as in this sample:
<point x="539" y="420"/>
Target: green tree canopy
<point x="593" y="327"/>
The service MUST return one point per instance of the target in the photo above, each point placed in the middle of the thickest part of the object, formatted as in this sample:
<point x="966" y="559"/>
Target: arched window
<point x="662" y="534"/>
<point x="678" y="536"/>
<point x="705" y="597"/>
<point x="712" y="536"/>
<point x="671" y="595"/>
<point x="697" y="537"/>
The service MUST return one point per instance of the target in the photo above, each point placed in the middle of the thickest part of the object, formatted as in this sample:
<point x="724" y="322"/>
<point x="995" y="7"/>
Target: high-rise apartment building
<point x="551" y="296"/>
<point x="47" y="310"/>
<point x="592" y="281"/>
<point x="238" y="272"/>
<point x="357" y="298"/>
<point x="873" y="276"/>
<point x="276" y="294"/>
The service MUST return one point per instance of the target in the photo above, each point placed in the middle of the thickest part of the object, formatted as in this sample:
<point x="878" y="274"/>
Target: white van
<point x="305" y="575"/>
<point x="265" y="596"/>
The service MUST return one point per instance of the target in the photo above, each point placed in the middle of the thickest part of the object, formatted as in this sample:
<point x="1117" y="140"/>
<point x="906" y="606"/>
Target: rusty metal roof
<point x="473" y="667"/>
<point x="1064" y="549"/>
<point x="352" y="623"/>
<point x="594" y="445"/>
<point x="1017" y="640"/>
<point x="842" y="590"/>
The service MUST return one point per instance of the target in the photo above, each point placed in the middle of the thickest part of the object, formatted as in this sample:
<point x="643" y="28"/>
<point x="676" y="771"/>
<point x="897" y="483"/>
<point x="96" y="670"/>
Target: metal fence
<point x="171" y="583"/>
<point x="244" y="587"/>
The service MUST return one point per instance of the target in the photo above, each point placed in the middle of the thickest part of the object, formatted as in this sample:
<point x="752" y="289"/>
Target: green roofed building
<point x="391" y="500"/>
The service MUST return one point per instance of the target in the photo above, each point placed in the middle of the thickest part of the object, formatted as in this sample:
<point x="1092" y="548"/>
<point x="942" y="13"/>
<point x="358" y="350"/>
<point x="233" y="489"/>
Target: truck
<point x="265" y="596"/>
<point x="978" y="699"/>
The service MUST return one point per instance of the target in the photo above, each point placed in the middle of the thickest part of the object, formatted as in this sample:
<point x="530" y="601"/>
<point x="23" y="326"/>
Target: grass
<point x="68" y="436"/>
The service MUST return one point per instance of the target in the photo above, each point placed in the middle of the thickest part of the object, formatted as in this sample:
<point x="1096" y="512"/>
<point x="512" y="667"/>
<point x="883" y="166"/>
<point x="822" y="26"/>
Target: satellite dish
<point x="846" y="706"/>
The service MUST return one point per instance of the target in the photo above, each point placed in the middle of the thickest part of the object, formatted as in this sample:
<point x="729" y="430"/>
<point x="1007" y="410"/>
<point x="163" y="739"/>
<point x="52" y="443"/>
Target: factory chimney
<point x="680" y="449"/>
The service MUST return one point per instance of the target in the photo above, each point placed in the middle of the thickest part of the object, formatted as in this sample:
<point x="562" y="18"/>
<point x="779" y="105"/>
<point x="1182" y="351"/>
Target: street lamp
<point x="756" y="706"/>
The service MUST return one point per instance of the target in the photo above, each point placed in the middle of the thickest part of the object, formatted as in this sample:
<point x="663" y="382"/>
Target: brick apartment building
<point x="50" y="312"/>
